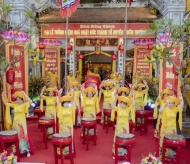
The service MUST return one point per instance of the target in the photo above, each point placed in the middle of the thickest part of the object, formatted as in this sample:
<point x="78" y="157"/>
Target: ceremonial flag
<point x="68" y="7"/>
<point x="129" y="1"/>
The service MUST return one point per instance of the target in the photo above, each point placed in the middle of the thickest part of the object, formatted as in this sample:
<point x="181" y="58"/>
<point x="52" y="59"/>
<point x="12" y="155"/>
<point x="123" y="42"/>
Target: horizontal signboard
<point x="98" y="30"/>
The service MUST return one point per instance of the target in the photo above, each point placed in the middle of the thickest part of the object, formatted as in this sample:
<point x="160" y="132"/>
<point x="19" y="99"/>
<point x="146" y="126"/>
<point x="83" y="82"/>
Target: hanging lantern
<point x="121" y="49"/>
<point x="41" y="46"/>
<point x="113" y="57"/>
<point x="69" y="49"/>
<point x="10" y="76"/>
<point x="81" y="56"/>
<point x="149" y="47"/>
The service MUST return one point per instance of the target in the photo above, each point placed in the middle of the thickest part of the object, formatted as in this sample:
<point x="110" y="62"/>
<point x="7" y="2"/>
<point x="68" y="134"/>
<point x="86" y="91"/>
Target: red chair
<point x="10" y="138"/>
<point x="174" y="142"/>
<point x="124" y="141"/>
<point x="46" y="123"/>
<point x="62" y="141"/>
<point x="87" y="124"/>
<point x="141" y="120"/>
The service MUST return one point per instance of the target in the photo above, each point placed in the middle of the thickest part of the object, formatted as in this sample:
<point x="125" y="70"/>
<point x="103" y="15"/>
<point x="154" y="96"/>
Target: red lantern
<point x="149" y="47"/>
<point x="10" y="76"/>
<point x="121" y="49"/>
<point x="69" y="49"/>
<point x="81" y="56"/>
<point x="113" y="57"/>
<point x="41" y="46"/>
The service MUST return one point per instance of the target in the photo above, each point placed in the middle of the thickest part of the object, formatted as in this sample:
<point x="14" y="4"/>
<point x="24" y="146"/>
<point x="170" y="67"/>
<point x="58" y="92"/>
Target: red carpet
<point x="101" y="153"/>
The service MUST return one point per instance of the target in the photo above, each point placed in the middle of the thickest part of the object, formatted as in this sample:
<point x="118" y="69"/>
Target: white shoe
<point x="28" y="154"/>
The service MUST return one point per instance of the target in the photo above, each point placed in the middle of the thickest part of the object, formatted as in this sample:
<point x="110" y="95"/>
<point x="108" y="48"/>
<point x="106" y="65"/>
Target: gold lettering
<point x="169" y="65"/>
<point x="102" y="32"/>
<point x="169" y="75"/>
<point x="18" y="85"/>
<point x="46" y="32"/>
<point x="59" y="32"/>
<point x="18" y="74"/>
<point x="85" y="32"/>
<point x="76" y="32"/>
<point x="93" y="32"/>
<point x="17" y="65"/>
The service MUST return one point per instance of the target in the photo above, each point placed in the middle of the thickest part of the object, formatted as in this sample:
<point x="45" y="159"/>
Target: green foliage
<point x="3" y="63"/>
<point x="174" y="36"/>
<point x="35" y="85"/>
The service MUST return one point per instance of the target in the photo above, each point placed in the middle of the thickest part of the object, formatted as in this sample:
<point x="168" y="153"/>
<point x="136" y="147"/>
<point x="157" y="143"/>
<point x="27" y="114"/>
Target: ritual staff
<point x="70" y="79"/>
<point x="160" y="101"/>
<point x="141" y="93"/>
<point x="76" y="93"/>
<point x="109" y="94"/>
<point x="123" y="110"/>
<point x="66" y="118"/>
<point x="172" y="106"/>
<point x="19" y="124"/>
<point x="51" y="104"/>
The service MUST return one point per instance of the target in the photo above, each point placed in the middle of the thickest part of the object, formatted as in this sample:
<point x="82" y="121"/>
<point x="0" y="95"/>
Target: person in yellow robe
<point x="95" y="73"/>
<point x="51" y="104"/>
<point x="122" y="124"/>
<point x="124" y="91"/>
<point x="90" y="104"/>
<point x="160" y="101"/>
<point x="109" y="94"/>
<point x="70" y="79"/>
<point x="141" y="93"/>
<point x="66" y="118"/>
<point x="52" y="78"/>
<point x="76" y="92"/>
<point x="19" y="124"/>
<point x="172" y="106"/>
<point x="78" y="77"/>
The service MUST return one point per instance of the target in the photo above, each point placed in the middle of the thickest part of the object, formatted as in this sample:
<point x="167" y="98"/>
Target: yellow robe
<point x="79" y="79"/>
<point x="169" y="122"/>
<point x="50" y="106"/>
<point x="70" y="79"/>
<point x="90" y="106"/>
<point x="109" y="98"/>
<point x="122" y="124"/>
<point x="19" y="122"/>
<point x="66" y="118"/>
<point x="157" y="116"/>
<point x="141" y="99"/>
<point x="53" y="79"/>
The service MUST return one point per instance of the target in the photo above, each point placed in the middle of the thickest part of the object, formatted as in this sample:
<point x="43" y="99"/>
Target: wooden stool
<point x="10" y="138"/>
<point x="124" y="141"/>
<point x="174" y="142"/>
<point x="46" y="123"/>
<point x="107" y="117"/>
<point x="87" y="124"/>
<point x="142" y="116"/>
<point x="62" y="141"/>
